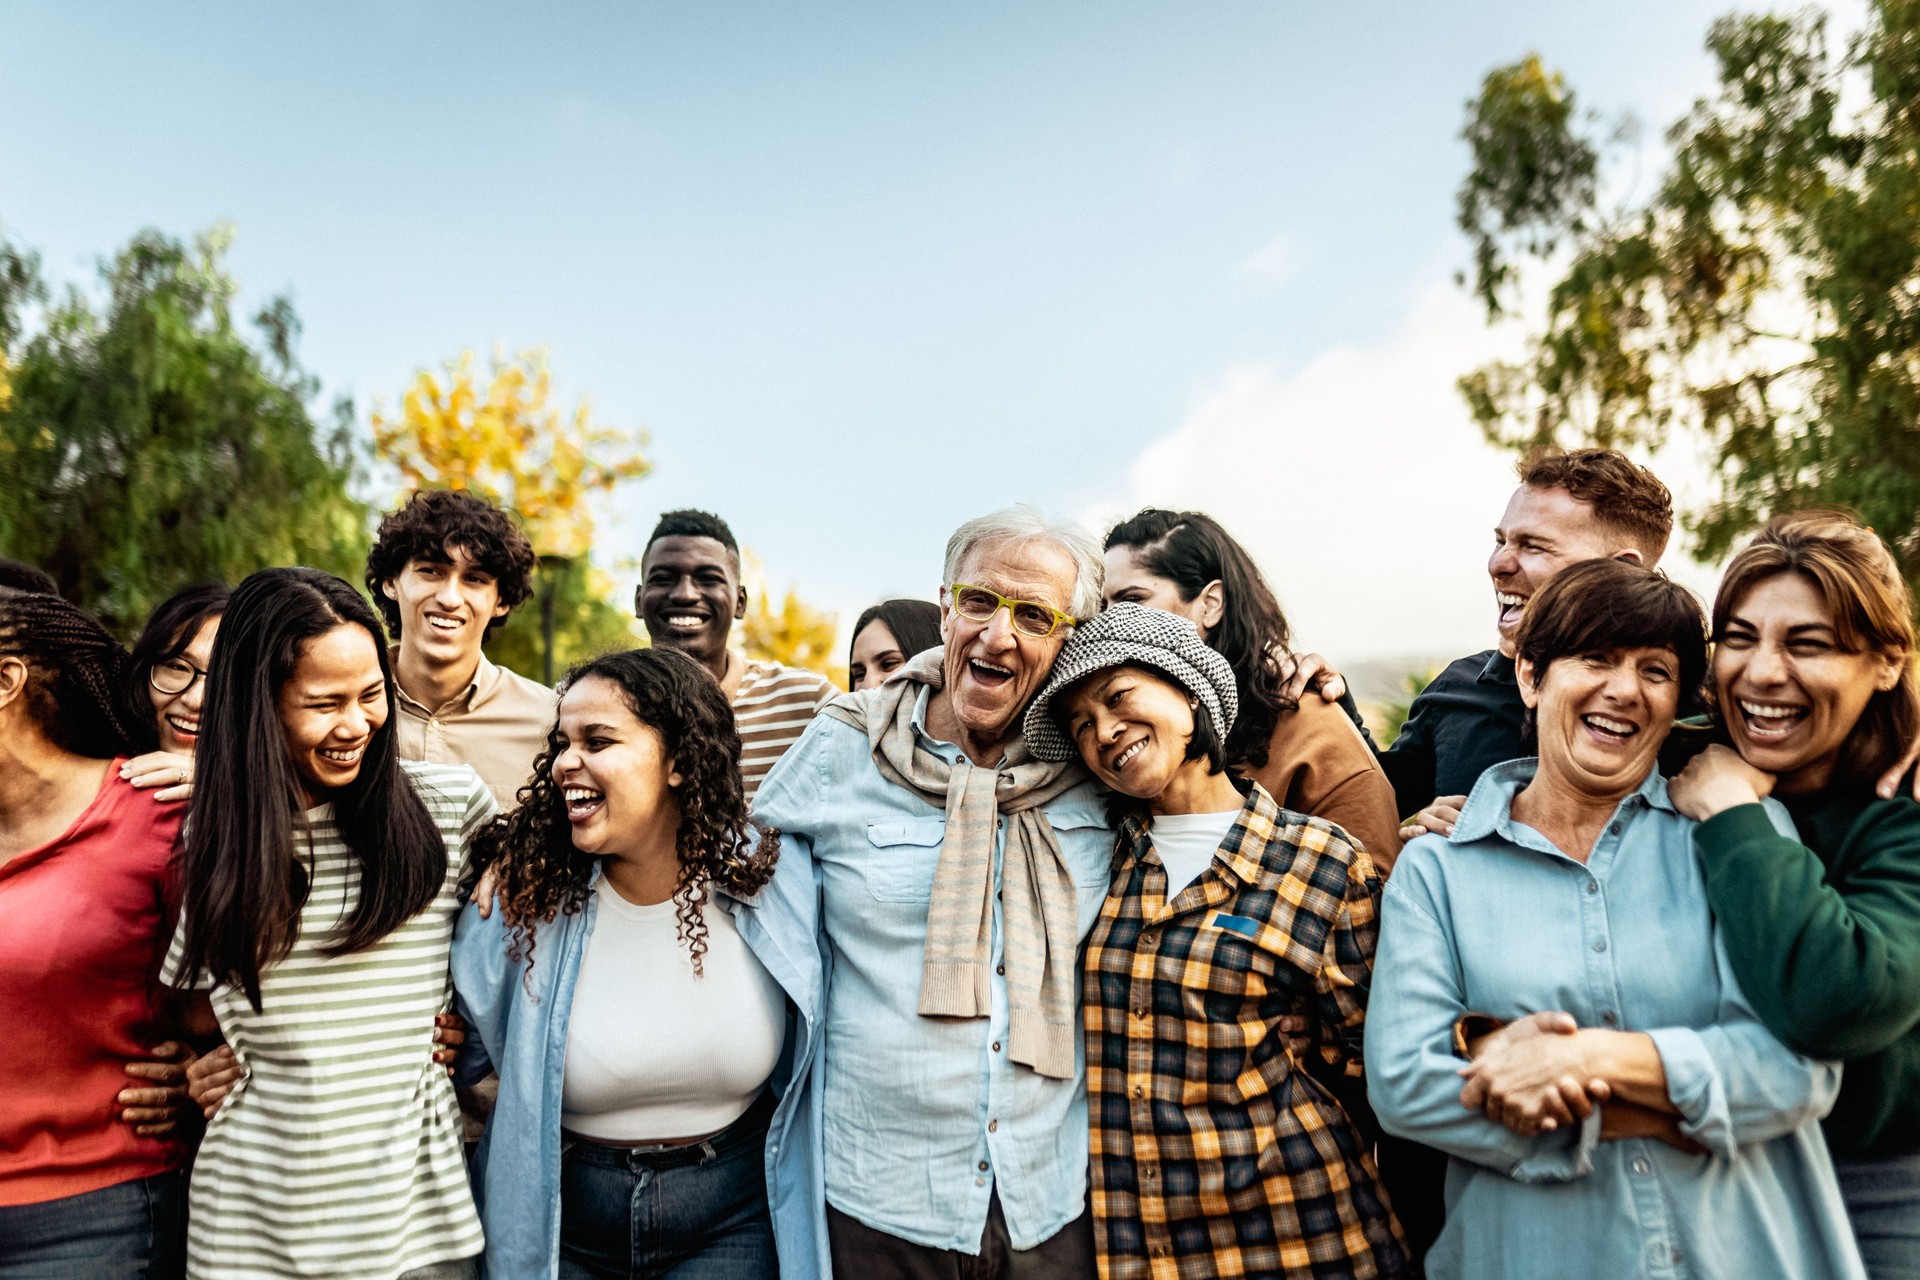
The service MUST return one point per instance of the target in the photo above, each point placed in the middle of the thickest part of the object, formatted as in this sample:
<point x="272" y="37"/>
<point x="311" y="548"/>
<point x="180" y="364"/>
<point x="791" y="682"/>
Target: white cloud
<point x="1271" y="265"/>
<point x="1362" y="487"/>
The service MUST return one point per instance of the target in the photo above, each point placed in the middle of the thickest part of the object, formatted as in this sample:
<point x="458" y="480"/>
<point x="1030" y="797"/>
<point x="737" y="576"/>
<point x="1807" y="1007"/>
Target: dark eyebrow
<point x="598" y="728"/>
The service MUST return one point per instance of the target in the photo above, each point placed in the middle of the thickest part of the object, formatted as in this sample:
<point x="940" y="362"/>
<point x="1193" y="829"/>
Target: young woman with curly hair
<point x="648" y="988"/>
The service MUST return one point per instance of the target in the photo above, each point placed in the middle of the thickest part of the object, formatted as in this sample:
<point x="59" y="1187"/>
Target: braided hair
<point x="76" y="673"/>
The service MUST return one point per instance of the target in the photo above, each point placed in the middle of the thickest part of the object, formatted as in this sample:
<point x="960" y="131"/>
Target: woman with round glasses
<point x="168" y="675"/>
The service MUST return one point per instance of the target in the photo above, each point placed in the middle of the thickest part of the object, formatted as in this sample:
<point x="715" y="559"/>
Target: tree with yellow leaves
<point x="794" y="634"/>
<point x="511" y="444"/>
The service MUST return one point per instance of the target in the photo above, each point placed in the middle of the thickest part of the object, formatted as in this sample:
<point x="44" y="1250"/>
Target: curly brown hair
<point x="434" y="520"/>
<point x="538" y="872"/>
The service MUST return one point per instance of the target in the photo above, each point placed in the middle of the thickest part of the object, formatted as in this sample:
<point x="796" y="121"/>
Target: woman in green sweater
<point x="1814" y="684"/>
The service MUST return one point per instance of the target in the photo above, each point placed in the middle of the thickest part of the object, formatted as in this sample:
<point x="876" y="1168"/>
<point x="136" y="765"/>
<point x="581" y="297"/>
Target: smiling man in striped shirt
<point x="689" y="597"/>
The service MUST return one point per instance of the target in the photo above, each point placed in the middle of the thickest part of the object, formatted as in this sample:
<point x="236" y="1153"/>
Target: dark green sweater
<point x="1825" y="939"/>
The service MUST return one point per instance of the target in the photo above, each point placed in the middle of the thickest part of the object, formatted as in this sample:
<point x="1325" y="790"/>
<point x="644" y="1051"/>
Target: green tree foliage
<point x="1390" y="715"/>
<point x="145" y="443"/>
<point x="586" y="624"/>
<point x="1765" y="295"/>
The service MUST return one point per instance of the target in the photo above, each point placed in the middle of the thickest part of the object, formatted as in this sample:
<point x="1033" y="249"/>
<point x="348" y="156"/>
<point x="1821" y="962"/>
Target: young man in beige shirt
<point x="446" y="569"/>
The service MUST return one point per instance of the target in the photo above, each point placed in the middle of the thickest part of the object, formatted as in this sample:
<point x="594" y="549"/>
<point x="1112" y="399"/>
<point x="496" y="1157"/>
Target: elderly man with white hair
<point x="958" y="876"/>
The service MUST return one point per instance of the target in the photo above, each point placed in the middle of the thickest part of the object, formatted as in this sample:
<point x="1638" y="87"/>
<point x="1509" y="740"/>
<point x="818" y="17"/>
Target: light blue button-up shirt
<point x="924" y="1117"/>
<point x="517" y="1015"/>
<point x="1495" y="920"/>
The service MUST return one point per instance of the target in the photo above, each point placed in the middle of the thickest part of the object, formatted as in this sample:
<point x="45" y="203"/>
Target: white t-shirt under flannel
<point x="338" y="1155"/>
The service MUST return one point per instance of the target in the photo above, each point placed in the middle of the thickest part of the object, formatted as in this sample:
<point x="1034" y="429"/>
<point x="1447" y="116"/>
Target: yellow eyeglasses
<point x="1030" y="617"/>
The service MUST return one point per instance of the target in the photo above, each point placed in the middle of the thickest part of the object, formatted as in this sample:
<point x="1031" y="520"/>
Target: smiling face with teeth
<point x="1132" y="728"/>
<point x="331" y="706"/>
<point x="614" y="774"/>
<point x="1789" y="692"/>
<point x="177" y="715"/>
<point x="1542" y="532"/>
<point x="445" y="607"/>
<point x="690" y="596"/>
<point x="991" y="669"/>
<point x="1601" y="717"/>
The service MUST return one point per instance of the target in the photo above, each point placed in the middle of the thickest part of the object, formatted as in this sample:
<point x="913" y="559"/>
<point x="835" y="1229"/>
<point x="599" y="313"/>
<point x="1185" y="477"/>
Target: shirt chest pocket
<point x="901" y="857"/>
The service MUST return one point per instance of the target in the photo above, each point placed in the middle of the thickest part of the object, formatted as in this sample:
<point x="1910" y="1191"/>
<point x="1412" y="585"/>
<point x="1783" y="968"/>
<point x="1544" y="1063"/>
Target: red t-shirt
<point x="84" y="923"/>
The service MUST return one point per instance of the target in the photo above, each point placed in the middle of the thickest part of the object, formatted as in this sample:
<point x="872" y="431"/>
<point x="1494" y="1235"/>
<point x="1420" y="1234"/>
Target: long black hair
<point x="531" y="849"/>
<point x="244" y="887"/>
<point x="76" y="691"/>
<point x="1191" y="550"/>
<point x="169" y="630"/>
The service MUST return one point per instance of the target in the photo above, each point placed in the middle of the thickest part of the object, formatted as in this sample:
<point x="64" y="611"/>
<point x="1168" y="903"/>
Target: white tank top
<point x="654" y="1052"/>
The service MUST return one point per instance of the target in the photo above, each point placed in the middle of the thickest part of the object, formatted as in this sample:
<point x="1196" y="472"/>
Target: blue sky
<point x="867" y="270"/>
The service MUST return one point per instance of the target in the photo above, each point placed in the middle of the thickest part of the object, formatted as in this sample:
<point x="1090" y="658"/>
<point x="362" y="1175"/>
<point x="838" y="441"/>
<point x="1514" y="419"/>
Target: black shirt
<point x="1465" y="722"/>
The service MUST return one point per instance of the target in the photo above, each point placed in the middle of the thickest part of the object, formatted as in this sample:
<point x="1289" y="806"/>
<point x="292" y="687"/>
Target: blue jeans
<point x="131" y="1231"/>
<point x="692" y="1213"/>
<point x="1883" y="1200"/>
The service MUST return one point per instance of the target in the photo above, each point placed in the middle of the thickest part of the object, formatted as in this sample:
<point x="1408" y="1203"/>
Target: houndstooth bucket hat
<point x="1125" y="633"/>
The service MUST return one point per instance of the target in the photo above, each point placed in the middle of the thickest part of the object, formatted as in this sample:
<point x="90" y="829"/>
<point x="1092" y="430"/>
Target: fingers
<point x="212" y="1077"/>
<point x="1412" y="831"/>
<point x="1292" y="1024"/>
<point x="1437" y="817"/>
<point x="165" y="1072"/>
<point x="1334" y="687"/>
<point x="483" y="893"/>
<point x="182" y="792"/>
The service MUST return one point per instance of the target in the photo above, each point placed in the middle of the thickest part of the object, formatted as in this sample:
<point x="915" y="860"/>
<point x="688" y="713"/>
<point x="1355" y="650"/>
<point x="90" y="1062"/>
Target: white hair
<point x="1024" y="523"/>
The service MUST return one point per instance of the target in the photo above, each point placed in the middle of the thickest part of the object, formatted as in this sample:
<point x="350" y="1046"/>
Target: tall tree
<point x="146" y="443"/>
<point x="1765" y="296"/>
<point x="509" y="442"/>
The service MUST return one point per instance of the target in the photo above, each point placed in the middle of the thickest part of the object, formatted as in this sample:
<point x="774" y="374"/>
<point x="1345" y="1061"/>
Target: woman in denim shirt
<point x="1634" y="1118"/>
<point x="648" y="989"/>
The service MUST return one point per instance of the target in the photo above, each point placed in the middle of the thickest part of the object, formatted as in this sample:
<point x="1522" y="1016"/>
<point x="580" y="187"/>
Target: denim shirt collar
<point x="1489" y="810"/>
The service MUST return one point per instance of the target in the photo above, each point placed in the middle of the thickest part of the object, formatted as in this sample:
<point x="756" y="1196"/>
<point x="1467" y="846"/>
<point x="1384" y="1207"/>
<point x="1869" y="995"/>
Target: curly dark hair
<point x="435" y="520"/>
<point x="689" y="523"/>
<point x="540" y="874"/>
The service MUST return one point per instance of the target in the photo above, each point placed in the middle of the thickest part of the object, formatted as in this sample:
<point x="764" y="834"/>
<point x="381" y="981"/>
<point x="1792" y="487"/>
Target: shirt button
<point x="993" y="1126"/>
<point x="1600" y="944"/>
<point x="1146" y="939"/>
<point x="1609" y="1017"/>
<point x="1593" y="887"/>
<point x="1139" y="1091"/>
<point x="1000" y="969"/>
<point x="996" y="1046"/>
<point x="1641" y="1167"/>
<point x="983" y="1166"/>
<point x="1147" y="1173"/>
<point x="979" y="1182"/>
<point x="1614" y="830"/>
<point x="1140" y="1011"/>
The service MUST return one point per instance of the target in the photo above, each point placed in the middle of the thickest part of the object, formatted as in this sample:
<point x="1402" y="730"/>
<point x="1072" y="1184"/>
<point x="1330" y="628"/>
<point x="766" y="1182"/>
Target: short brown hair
<point x="1625" y="496"/>
<point x="1859" y="581"/>
<point x="1600" y="605"/>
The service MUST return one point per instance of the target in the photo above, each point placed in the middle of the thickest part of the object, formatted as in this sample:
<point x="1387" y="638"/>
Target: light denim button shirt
<point x="517" y="1024"/>
<point x="1494" y="920"/>
<point x="924" y="1117"/>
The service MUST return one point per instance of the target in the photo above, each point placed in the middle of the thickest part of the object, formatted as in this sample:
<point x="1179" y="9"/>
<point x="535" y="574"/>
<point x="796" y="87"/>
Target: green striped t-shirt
<point x="338" y="1154"/>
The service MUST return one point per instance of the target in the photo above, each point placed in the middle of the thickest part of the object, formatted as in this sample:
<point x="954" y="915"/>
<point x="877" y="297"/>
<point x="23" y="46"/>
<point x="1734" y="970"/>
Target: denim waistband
<point x="748" y="1130"/>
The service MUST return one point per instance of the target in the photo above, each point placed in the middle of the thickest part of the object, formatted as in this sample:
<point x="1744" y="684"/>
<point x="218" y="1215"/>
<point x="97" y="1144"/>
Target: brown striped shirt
<point x="771" y="709"/>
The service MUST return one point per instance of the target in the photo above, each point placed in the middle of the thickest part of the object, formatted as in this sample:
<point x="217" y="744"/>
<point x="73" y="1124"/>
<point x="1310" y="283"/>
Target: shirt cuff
<point x="1693" y="1084"/>
<point x="1570" y="1159"/>
<point x="1726" y="832"/>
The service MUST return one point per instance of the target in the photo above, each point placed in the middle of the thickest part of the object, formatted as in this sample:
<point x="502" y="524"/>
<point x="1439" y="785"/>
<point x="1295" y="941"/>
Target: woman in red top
<point x="83" y="913"/>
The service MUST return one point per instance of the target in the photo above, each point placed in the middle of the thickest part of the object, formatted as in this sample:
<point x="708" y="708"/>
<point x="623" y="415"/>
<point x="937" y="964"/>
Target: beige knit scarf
<point x="1039" y="908"/>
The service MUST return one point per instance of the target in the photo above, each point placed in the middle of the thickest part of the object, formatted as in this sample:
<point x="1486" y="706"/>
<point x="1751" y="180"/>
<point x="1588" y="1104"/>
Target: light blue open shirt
<point x="924" y="1117"/>
<point x="1494" y="920"/>
<point x="517" y="1024"/>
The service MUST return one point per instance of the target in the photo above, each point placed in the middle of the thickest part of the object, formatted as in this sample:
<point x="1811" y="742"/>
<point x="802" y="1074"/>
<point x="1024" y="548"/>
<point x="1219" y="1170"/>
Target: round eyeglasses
<point x="174" y="676"/>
